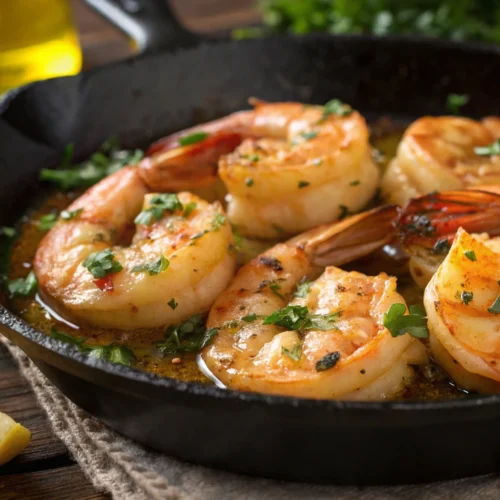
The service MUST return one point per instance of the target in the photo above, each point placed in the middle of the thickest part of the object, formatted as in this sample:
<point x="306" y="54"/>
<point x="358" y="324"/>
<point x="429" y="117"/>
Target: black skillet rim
<point x="19" y="326"/>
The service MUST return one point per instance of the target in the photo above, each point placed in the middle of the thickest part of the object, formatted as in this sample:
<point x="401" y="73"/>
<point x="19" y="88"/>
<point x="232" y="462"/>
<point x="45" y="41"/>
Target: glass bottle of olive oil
<point x="37" y="40"/>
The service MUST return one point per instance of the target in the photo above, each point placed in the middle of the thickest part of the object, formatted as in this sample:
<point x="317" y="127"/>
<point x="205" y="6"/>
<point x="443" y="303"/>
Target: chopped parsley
<point x="495" y="307"/>
<point x="253" y="158"/>
<point x="441" y="246"/>
<point x="9" y="232"/>
<point x="218" y="221"/>
<point x="328" y="361"/>
<point x="399" y="323"/>
<point x="160" y="203"/>
<point x="344" y="212"/>
<point x="153" y="268"/>
<point x="46" y="222"/>
<point x="421" y="225"/>
<point x="455" y="101"/>
<point x="249" y="181"/>
<point x="23" y="287"/>
<point x="336" y="107"/>
<point x="189" y="336"/>
<point x="307" y="136"/>
<point x="355" y="183"/>
<point x="303" y="289"/>
<point x="198" y="235"/>
<point x="303" y="184"/>
<point x="114" y="353"/>
<point x="278" y="228"/>
<point x="173" y="304"/>
<point x="299" y="318"/>
<point x="109" y="159"/>
<point x="275" y="288"/>
<point x="250" y="318"/>
<point x="295" y="353"/>
<point x="466" y="297"/>
<point x="489" y="150"/>
<point x="70" y="215"/>
<point x="193" y="138"/>
<point x="100" y="264"/>
<point x="188" y="209"/>
<point x="470" y="255"/>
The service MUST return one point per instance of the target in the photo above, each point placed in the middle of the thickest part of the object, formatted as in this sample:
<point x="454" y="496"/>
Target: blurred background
<point x="47" y="38"/>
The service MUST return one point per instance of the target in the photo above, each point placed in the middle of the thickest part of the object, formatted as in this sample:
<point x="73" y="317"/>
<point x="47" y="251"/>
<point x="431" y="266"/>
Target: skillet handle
<point x="151" y="24"/>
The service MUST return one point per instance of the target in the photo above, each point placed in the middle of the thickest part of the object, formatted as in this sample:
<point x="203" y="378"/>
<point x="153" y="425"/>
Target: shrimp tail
<point x="436" y="217"/>
<point x="350" y="239"/>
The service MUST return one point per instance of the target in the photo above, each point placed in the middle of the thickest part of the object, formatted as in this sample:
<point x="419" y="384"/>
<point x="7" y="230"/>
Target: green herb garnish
<point x="172" y="304"/>
<point x="249" y="181"/>
<point x="495" y="307"/>
<point x="295" y="353"/>
<point x="189" y="208"/>
<point x="67" y="215"/>
<point x="299" y="318"/>
<point x="160" y="203"/>
<point x="355" y="183"/>
<point x="23" y="287"/>
<point x="193" y="138"/>
<point x="304" y="136"/>
<point x="46" y="222"/>
<point x="198" y="235"/>
<point x="399" y="323"/>
<point x="441" y="246"/>
<point x="455" y="101"/>
<point x="275" y="288"/>
<point x="250" y="318"/>
<point x="489" y="150"/>
<point x="303" y="184"/>
<point x="336" y="107"/>
<point x="328" y="361"/>
<point x="470" y="255"/>
<point x="9" y="232"/>
<point x="466" y="297"/>
<point x="189" y="336"/>
<point x="344" y="212"/>
<point x="153" y="268"/>
<point x="303" y="289"/>
<point x="218" y="221"/>
<point x="100" y="264"/>
<point x="106" y="161"/>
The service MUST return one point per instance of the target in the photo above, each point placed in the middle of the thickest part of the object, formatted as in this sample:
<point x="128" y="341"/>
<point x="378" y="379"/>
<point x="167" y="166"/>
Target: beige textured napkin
<point x="128" y="471"/>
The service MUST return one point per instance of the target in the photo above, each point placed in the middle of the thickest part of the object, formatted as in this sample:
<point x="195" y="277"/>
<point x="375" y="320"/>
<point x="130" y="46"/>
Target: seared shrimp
<point x="462" y="301"/>
<point x="321" y="339"/>
<point x="177" y="263"/>
<point x="298" y="166"/>
<point x="442" y="153"/>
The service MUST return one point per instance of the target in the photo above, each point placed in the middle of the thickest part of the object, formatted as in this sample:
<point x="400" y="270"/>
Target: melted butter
<point x="429" y="382"/>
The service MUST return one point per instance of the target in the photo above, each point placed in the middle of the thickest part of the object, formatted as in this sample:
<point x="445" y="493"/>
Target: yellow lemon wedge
<point x="13" y="438"/>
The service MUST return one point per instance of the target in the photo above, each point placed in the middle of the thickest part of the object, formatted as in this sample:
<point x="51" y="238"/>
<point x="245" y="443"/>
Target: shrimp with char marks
<point x="93" y="267"/>
<point x="321" y="339"/>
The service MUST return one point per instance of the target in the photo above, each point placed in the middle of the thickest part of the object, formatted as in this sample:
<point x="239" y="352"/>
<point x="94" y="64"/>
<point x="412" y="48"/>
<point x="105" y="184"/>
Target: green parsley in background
<point x="454" y="19"/>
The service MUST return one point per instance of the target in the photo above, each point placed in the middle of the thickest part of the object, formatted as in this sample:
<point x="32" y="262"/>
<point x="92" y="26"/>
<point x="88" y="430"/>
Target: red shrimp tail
<point x="435" y="217"/>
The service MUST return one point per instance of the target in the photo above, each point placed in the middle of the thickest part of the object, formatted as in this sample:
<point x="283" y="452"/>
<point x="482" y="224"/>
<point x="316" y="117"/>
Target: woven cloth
<point x="126" y="470"/>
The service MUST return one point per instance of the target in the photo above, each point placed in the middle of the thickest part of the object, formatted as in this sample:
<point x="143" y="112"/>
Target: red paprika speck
<point x="105" y="284"/>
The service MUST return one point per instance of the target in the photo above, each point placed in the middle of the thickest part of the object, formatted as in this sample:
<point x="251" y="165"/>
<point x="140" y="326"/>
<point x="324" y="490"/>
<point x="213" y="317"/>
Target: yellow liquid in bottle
<point x="37" y="41"/>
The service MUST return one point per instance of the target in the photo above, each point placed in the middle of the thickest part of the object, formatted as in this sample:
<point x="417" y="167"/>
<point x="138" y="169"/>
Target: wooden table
<point x="45" y="470"/>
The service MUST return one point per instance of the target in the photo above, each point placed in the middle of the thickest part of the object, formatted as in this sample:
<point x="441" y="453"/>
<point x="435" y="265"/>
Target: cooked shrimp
<point x="298" y="166"/>
<point x="428" y="225"/>
<point x="87" y="265"/>
<point x="441" y="153"/>
<point x="462" y="301"/>
<point x="332" y="342"/>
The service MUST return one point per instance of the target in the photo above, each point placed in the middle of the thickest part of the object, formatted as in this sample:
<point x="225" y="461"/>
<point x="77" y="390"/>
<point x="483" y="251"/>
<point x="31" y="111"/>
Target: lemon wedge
<point x="13" y="438"/>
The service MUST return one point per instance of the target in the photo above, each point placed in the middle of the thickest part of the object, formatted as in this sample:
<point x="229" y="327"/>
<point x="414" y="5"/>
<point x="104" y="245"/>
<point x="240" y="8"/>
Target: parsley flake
<point x="399" y="323"/>
<point x="489" y="150"/>
<point x="188" y="209"/>
<point x="344" y="212"/>
<point x="328" y="361"/>
<point x="470" y="255"/>
<point x="303" y="289"/>
<point x="23" y="287"/>
<point x="355" y="183"/>
<point x="173" y="304"/>
<point x="46" y="222"/>
<point x="295" y="353"/>
<point x="466" y="297"/>
<point x="8" y="232"/>
<point x="153" y="268"/>
<point x="441" y="246"/>
<point x="70" y="215"/>
<point x="495" y="307"/>
<point x="299" y="318"/>
<point x="303" y="184"/>
<point x="218" y="221"/>
<point x="160" y="203"/>
<point x="336" y="107"/>
<point x="249" y="181"/>
<point x="100" y="264"/>
<point x="250" y="318"/>
<point x="304" y="136"/>
<point x="455" y="101"/>
<point x="193" y="138"/>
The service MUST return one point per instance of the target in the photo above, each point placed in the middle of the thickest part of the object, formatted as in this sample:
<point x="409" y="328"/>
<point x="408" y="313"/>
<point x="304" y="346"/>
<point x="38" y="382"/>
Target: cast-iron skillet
<point x="142" y="99"/>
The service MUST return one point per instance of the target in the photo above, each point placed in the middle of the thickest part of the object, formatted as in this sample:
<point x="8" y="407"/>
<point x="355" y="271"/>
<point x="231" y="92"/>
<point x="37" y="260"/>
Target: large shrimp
<point x="443" y="153"/>
<point x="462" y="291"/>
<point x="322" y="339"/>
<point x="298" y="166"/>
<point x="175" y="265"/>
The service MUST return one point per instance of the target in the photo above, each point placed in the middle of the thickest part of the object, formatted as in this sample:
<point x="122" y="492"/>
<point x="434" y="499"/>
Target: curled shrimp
<point x="462" y="301"/>
<point x="93" y="266"/>
<point x="332" y="342"/>
<point x="428" y="225"/>
<point x="440" y="153"/>
<point x="297" y="166"/>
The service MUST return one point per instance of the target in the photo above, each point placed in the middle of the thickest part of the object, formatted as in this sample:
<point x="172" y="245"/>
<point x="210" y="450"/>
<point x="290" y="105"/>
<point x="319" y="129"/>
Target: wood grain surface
<point x="45" y="470"/>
